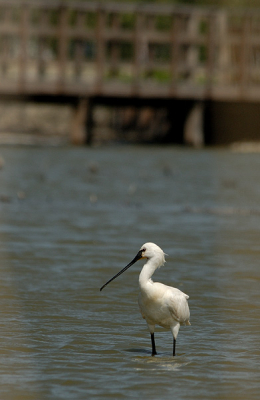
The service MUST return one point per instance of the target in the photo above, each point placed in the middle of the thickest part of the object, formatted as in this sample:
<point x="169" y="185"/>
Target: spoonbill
<point x="159" y="304"/>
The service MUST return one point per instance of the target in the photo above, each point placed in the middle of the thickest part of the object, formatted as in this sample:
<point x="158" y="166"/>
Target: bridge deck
<point x="86" y="49"/>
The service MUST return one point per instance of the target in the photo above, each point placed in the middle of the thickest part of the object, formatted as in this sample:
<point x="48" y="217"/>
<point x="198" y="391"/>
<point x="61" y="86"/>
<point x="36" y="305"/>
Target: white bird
<point x="159" y="304"/>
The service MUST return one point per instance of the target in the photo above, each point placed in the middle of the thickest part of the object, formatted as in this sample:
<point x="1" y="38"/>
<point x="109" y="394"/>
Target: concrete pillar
<point x="80" y="130"/>
<point x="193" y="126"/>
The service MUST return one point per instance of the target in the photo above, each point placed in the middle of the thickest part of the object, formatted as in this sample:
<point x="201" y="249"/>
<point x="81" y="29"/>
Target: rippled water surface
<point x="73" y="217"/>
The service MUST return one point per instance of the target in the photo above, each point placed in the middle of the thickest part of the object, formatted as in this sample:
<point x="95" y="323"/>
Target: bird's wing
<point x="178" y="305"/>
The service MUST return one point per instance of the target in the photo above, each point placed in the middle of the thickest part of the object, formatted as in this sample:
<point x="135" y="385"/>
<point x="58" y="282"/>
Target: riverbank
<point x="28" y="123"/>
<point x="38" y="124"/>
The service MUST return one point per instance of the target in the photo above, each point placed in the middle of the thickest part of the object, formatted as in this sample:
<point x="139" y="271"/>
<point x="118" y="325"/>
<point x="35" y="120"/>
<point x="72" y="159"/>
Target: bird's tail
<point x="187" y="323"/>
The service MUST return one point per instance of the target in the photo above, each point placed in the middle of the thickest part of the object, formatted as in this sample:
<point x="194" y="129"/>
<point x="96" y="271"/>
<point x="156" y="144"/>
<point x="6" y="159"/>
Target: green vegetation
<point x="219" y="3"/>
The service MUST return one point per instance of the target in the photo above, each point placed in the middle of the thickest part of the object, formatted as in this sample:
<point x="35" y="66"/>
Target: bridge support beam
<point x="193" y="132"/>
<point x="82" y="122"/>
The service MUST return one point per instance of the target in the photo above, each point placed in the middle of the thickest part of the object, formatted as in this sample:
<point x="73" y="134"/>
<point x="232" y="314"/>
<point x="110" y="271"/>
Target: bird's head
<point x="149" y="251"/>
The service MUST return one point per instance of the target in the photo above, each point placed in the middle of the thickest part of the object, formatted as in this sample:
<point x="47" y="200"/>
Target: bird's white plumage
<point x="160" y="304"/>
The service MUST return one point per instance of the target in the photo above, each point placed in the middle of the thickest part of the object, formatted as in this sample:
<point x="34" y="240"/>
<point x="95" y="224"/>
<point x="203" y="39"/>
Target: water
<point x="73" y="217"/>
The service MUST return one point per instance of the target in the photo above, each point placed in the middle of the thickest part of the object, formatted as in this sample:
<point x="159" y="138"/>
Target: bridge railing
<point x="85" y="48"/>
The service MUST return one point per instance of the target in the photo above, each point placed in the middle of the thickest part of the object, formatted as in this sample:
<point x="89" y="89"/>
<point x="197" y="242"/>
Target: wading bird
<point x="159" y="304"/>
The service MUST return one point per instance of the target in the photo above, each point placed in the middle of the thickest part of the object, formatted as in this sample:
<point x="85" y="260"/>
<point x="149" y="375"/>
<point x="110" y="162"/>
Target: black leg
<point x="153" y="345"/>
<point x="174" y="345"/>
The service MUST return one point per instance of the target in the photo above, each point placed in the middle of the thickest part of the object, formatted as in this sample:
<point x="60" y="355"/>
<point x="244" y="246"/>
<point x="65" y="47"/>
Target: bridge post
<point x="244" y="65"/>
<point x="101" y="49"/>
<point x="81" y="122"/>
<point x="23" y="47"/>
<point x="224" y="53"/>
<point x="140" y="51"/>
<point x="193" y="127"/>
<point x="192" y="53"/>
<point x="175" y="29"/>
<point x="63" y="42"/>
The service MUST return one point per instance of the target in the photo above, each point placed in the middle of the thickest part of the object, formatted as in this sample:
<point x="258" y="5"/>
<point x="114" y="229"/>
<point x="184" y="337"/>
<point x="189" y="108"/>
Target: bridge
<point x="75" y="51"/>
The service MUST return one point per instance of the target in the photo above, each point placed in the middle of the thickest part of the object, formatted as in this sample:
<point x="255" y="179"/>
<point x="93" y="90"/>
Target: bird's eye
<point x="144" y="249"/>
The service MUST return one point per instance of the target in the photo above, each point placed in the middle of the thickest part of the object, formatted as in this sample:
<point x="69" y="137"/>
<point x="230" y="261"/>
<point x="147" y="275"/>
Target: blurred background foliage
<point x="218" y="3"/>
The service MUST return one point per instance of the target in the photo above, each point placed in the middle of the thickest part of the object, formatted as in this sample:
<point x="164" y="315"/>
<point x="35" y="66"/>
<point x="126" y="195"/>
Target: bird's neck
<point x="146" y="274"/>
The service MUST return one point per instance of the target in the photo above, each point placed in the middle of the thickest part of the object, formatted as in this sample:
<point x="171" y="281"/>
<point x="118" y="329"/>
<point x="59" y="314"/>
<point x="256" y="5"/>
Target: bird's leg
<point x="153" y="345"/>
<point x="174" y="346"/>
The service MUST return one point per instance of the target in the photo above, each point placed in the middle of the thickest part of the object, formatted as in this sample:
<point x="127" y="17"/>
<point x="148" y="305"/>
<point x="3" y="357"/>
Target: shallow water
<point x="73" y="217"/>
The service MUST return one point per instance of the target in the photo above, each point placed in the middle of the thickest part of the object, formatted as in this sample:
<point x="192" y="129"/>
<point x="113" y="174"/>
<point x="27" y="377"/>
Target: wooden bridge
<point x="80" y="49"/>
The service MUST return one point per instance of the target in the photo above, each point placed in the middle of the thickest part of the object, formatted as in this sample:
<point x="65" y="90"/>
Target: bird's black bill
<point x="137" y="257"/>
